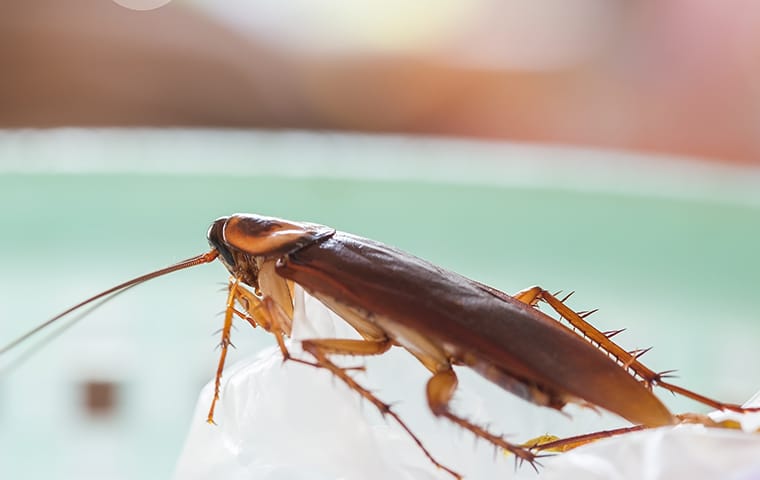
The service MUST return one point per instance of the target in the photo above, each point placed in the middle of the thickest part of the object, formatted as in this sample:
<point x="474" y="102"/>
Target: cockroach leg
<point x="440" y="390"/>
<point x="529" y="296"/>
<point x="225" y="343"/>
<point x="279" y="324"/>
<point x="255" y="311"/>
<point x="339" y="346"/>
<point x="706" y="400"/>
<point x="322" y="348"/>
<point x="569" y="443"/>
<point x="628" y="360"/>
<point x="267" y="314"/>
<point x="701" y="419"/>
<point x="533" y="295"/>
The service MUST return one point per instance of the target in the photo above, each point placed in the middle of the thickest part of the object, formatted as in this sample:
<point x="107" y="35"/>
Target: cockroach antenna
<point x="190" y="262"/>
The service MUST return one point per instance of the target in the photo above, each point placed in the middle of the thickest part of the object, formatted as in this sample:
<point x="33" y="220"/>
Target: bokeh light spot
<point x="142" y="4"/>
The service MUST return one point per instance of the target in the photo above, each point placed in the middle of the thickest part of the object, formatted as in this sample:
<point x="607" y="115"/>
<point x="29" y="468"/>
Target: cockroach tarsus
<point x="392" y="298"/>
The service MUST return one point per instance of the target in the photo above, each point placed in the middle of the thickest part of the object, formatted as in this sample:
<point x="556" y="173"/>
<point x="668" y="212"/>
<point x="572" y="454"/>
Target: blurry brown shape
<point x="99" y="398"/>
<point x="655" y="87"/>
<point x="93" y="62"/>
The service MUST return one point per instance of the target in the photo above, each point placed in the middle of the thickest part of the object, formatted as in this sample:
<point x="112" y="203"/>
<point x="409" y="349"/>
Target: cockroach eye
<point x="216" y="240"/>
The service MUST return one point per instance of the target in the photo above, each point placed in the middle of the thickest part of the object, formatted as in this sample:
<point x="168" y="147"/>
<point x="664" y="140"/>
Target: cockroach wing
<point x="471" y="324"/>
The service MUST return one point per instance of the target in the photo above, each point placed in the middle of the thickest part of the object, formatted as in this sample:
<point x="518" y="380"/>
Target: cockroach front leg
<point x="268" y="314"/>
<point x="265" y="313"/>
<point x="626" y="359"/>
<point x="262" y="312"/>
<point x="321" y="349"/>
<point x="224" y="344"/>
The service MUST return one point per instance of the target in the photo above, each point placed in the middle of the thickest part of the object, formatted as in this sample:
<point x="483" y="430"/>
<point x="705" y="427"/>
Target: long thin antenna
<point x="29" y="352"/>
<point x="190" y="262"/>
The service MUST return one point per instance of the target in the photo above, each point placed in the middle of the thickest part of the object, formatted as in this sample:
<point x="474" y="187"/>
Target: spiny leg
<point x="322" y="348"/>
<point x="440" y="390"/>
<point x="533" y="295"/>
<point x="569" y="443"/>
<point x="629" y="360"/>
<point x="265" y="313"/>
<point x="224" y="344"/>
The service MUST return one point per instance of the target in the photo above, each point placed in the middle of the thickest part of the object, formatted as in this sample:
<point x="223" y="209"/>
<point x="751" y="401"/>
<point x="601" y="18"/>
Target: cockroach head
<point x="246" y="241"/>
<point x="215" y="237"/>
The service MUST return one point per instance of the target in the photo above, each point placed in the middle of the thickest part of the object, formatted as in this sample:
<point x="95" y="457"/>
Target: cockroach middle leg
<point x="628" y="360"/>
<point x="440" y="390"/>
<point x="340" y="346"/>
<point x="322" y="348"/>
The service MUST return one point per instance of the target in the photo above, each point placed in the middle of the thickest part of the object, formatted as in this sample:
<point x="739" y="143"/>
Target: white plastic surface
<point x="289" y="421"/>
<point x="280" y="421"/>
<point x="687" y="451"/>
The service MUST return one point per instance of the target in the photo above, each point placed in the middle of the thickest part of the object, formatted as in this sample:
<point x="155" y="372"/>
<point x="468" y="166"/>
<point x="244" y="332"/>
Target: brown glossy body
<point x="474" y="327"/>
<point x="429" y="310"/>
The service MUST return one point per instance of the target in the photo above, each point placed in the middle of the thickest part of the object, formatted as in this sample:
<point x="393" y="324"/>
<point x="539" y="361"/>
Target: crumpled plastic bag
<point x="687" y="451"/>
<point x="288" y="421"/>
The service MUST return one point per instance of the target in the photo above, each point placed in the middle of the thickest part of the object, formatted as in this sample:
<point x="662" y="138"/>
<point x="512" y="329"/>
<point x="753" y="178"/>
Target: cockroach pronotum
<point x="392" y="298"/>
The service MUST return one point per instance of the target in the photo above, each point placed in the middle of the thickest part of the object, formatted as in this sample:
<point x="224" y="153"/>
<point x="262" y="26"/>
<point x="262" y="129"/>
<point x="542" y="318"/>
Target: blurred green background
<point x="664" y="247"/>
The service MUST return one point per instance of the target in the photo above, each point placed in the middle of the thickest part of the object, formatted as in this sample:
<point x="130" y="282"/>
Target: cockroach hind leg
<point x="529" y="296"/>
<point x="667" y="374"/>
<point x="567" y="297"/>
<point x="559" y="445"/>
<point x="536" y="442"/>
<point x="630" y="360"/>
<point x="697" y="397"/>
<point x="610" y="333"/>
<point x="320" y="349"/>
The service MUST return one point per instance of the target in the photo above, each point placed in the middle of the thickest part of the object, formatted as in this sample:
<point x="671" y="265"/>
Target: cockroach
<point x="392" y="298"/>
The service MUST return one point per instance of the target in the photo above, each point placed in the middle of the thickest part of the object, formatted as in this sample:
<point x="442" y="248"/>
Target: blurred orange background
<point x="677" y="77"/>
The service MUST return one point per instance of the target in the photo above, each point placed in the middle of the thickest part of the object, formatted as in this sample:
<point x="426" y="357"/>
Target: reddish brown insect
<point x="392" y="298"/>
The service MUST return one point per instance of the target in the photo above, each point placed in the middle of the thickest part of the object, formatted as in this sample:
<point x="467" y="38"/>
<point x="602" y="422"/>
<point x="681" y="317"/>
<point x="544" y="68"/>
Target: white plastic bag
<point x="289" y="421"/>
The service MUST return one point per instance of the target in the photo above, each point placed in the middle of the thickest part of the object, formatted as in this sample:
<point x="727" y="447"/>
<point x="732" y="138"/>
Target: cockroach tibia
<point x="394" y="299"/>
